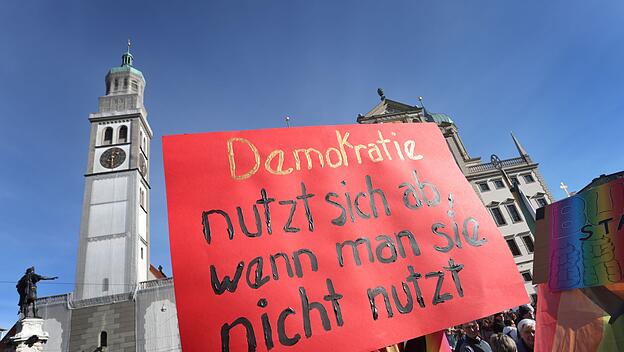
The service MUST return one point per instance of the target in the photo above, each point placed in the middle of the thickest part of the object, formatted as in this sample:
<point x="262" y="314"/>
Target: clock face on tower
<point x="112" y="158"/>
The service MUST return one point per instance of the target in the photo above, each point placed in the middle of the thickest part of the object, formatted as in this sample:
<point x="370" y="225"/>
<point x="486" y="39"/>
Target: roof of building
<point x="158" y="273"/>
<point x="387" y="107"/>
<point x="129" y="69"/>
<point x="126" y="64"/>
<point x="602" y="179"/>
<point x="440" y="117"/>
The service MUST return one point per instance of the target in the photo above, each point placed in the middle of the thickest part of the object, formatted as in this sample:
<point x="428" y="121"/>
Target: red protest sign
<point x="337" y="237"/>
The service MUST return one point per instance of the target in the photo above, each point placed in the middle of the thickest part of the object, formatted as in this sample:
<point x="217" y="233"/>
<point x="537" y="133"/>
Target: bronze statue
<point x="27" y="289"/>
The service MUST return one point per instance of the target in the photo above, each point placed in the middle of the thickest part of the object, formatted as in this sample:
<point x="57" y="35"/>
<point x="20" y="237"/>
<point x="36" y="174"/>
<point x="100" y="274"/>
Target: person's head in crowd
<point x="498" y="326"/>
<point x="499" y="317"/>
<point x="471" y="329"/>
<point x="502" y="343"/>
<point x="509" y="322"/>
<point x="526" y="331"/>
<point x="486" y="323"/>
<point x="526" y="312"/>
<point x="450" y="331"/>
<point x="513" y="316"/>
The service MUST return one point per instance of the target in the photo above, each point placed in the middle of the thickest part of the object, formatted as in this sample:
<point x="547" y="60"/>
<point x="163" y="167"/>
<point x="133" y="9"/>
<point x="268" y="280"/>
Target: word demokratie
<point x="334" y="157"/>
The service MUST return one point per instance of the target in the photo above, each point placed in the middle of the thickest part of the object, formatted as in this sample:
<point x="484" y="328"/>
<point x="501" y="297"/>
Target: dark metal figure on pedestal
<point x="27" y="289"/>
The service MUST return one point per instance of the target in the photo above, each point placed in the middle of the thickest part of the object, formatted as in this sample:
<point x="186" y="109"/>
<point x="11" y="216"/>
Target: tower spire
<point x="521" y="150"/>
<point x="127" y="58"/>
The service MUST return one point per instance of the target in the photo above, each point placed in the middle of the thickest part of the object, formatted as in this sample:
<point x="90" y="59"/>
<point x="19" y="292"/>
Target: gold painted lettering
<point x="328" y="157"/>
<point x="374" y="148"/>
<point x="358" y="147"/>
<point x="409" y="150"/>
<point x="280" y="163"/>
<point x="397" y="147"/>
<point x="383" y="141"/>
<point x="307" y="155"/>
<point x="232" y="161"/>
<point x="342" y="142"/>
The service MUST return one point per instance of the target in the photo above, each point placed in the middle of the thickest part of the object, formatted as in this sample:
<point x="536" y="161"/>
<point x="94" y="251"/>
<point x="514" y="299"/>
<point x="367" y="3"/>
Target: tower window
<point x="105" y="284"/>
<point x="526" y="275"/>
<point x="125" y="83"/>
<point x="483" y="186"/>
<point x="513" y="247"/>
<point x="107" y="87"/>
<point x="528" y="178"/>
<point x="103" y="339"/>
<point x="513" y="212"/>
<point x="123" y="134"/>
<point x="108" y="136"/>
<point x="116" y="84"/>
<point x="135" y="85"/>
<point x="141" y="252"/>
<point x="142" y="197"/>
<point x="498" y="183"/>
<point x="528" y="242"/>
<point x="541" y="201"/>
<point x="498" y="216"/>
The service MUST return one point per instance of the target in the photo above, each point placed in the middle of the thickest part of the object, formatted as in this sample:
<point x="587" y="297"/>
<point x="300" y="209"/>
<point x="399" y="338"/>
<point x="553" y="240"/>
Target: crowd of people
<point x="508" y="331"/>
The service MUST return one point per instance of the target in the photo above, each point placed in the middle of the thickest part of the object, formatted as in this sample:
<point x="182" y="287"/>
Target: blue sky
<point x="551" y="72"/>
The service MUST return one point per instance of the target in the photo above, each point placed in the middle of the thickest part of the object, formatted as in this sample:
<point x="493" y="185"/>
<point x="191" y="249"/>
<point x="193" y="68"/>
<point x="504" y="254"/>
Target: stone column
<point x="29" y="336"/>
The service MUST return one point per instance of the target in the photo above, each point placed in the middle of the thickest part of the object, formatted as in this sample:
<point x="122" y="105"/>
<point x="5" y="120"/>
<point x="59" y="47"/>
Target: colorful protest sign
<point x="577" y="320"/>
<point x="342" y="238"/>
<point x="581" y="239"/>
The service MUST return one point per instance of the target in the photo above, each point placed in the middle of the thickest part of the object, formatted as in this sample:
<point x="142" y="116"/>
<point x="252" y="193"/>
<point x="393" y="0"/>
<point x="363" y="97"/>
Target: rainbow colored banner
<point x="587" y="238"/>
<point x="576" y="320"/>
<point x="437" y="342"/>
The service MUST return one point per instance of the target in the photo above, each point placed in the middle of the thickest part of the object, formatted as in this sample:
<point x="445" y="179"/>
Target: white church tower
<point x="113" y="253"/>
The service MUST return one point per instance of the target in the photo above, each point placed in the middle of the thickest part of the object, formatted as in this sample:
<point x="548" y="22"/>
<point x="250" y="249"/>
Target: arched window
<point x="142" y="197"/>
<point x="116" y="84"/>
<point x="125" y="83"/>
<point x="105" y="284"/>
<point x="123" y="134"/>
<point x="108" y="136"/>
<point x="103" y="339"/>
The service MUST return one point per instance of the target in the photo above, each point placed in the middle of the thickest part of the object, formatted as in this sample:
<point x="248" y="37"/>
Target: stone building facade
<point x="485" y="179"/>
<point x="145" y="320"/>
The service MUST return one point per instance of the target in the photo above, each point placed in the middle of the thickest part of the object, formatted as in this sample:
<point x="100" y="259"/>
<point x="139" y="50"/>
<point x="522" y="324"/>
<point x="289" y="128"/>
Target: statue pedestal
<point x="29" y="336"/>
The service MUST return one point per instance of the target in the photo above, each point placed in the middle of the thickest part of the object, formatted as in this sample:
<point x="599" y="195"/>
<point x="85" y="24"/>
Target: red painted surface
<point x="199" y="179"/>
